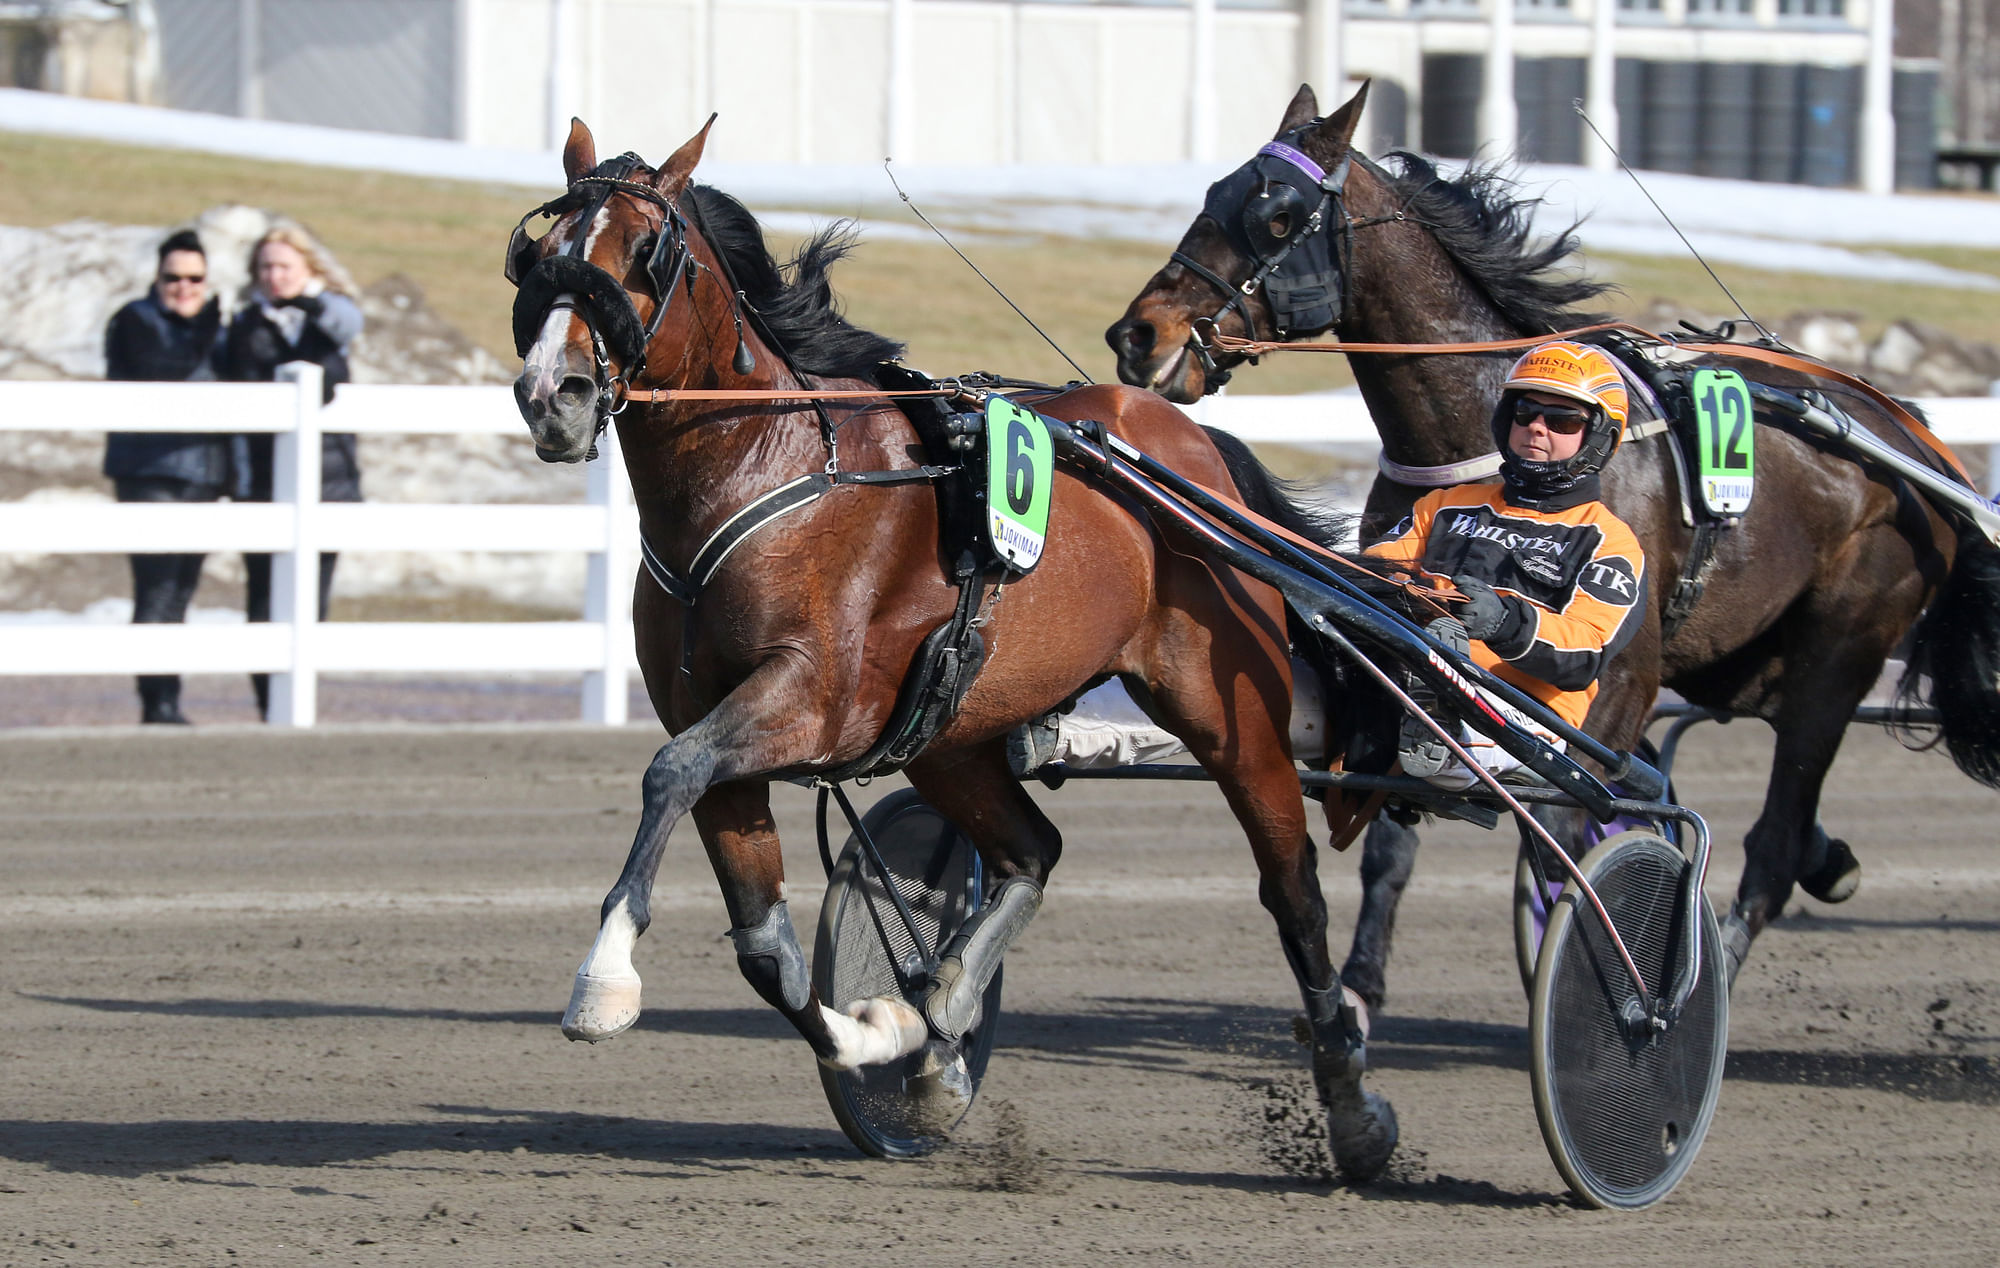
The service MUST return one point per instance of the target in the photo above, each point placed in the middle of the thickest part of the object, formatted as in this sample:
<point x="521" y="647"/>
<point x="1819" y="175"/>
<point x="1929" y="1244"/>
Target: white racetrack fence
<point x="296" y="646"/>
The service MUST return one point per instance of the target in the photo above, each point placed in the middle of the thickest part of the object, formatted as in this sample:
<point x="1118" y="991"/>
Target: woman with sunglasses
<point x="171" y="333"/>
<point x="1554" y="583"/>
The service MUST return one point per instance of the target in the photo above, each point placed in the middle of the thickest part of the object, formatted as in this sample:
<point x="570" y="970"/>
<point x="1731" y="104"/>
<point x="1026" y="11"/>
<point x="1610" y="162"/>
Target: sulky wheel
<point x="1624" y="1109"/>
<point x="1532" y="902"/>
<point x="864" y="949"/>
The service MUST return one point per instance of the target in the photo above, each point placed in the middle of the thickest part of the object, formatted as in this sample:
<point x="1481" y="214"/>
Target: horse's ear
<point x="1303" y="110"/>
<point x="580" y="152"/>
<point x="1336" y="135"/>
<point x="675" y="171"/>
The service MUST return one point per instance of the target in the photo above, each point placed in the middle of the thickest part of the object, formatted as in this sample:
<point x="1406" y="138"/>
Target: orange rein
<point x="1421" y="592"/>
<point x="1746" y="352"/>
<point x="776" y="394"/>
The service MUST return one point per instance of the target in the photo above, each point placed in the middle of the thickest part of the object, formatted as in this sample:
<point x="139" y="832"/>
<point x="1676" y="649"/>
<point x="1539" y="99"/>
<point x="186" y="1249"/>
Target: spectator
<point x="298" y="309"/>
<point x="172" y="333"/>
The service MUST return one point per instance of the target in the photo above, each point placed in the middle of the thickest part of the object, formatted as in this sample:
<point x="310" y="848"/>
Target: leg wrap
<point x="973" y="956"/>
<point x="772" y="961"/>
<point x="1340" y="1049"/>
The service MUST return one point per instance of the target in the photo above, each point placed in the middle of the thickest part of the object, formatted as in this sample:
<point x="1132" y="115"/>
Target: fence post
<point x="607" y="594"/>
<point x="295" y="573"/>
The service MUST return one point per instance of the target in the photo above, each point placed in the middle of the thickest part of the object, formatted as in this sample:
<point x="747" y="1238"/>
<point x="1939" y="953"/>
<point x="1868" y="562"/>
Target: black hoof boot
<point x="1838" y="874"/>
<point x="1361" y="1128"/>
<point x="1360" y="1125"/>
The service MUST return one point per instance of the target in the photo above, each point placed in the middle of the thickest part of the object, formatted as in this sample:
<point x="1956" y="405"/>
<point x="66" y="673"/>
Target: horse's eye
<point x="1280" y="225"/>
<point x="643" y="250"/>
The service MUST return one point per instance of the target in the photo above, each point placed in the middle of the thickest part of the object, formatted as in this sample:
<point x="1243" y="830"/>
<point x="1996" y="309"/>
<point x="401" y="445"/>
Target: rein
<point x="1258" y="347"/>
<point x="781" y="394"/>
<point x="1907" y="420"/>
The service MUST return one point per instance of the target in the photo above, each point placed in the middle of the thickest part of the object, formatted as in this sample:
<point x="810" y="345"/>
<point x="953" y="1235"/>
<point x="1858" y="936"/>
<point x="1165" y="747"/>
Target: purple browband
<point x="1297" y="159"/>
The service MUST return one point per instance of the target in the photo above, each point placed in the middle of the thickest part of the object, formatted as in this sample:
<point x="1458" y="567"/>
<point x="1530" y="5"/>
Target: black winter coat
<point x="144" y="342"/>
<point x="255" y="349"/>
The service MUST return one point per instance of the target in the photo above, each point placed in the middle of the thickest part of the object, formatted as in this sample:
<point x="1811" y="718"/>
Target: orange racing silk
<point x="1576" y="576"/>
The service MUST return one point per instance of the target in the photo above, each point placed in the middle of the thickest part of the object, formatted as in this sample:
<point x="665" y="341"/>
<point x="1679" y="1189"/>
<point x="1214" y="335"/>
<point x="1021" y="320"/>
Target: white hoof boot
<point x="600" y="1007"/>
<point x="873" y="1031"/>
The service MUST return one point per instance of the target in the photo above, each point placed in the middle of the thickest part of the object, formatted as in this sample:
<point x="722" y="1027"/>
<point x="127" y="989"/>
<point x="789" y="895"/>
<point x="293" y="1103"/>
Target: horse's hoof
<point x="1363" y="1135"/>
<point x="872" y="1032"/>
<point x="941" y="1088"/>
<point x="600" y="1007"/>
<point x="1837" y="876"/>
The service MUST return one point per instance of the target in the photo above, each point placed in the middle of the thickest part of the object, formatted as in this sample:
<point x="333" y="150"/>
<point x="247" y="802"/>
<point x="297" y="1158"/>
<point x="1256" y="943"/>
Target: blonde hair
<point x="323" y="266"/>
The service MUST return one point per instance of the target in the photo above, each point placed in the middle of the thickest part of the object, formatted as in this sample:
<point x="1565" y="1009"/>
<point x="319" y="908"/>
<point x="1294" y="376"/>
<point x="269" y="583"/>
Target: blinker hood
<point x="1274" y="209"/>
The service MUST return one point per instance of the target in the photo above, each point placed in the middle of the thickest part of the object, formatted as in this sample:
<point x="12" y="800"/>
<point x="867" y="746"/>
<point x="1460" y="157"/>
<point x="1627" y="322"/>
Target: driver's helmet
<point x="1584" y="374"/>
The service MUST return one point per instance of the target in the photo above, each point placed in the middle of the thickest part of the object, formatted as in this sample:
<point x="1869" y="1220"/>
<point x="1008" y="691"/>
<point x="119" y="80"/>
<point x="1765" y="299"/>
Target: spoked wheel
<point x="866" y="949"/>
<point x="1624" y="1110"/>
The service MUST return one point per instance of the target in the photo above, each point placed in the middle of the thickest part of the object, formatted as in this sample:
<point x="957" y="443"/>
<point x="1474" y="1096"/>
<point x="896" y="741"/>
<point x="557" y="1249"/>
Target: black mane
<point x="1483" y="226"/>
<point x="793" y="304"/>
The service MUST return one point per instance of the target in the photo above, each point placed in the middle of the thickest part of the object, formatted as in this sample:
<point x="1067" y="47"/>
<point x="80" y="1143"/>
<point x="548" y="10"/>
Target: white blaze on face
<point x="543" y="366"/>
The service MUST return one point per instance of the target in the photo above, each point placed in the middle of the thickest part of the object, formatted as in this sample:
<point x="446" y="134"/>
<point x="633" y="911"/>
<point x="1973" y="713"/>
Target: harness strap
<point x="1450" y="473"/>
<point x="1440" y="477"/>
<point x="772" y="506"/>
<point x="1909" y="422"/>
<point x="1889" y="404"/>
<point x="779" y="394"/>
<point x="1694" y="578"/>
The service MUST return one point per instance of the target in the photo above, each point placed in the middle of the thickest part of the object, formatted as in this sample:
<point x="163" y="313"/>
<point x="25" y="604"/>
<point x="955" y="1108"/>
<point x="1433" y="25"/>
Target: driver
<point x="1554" y="583"/>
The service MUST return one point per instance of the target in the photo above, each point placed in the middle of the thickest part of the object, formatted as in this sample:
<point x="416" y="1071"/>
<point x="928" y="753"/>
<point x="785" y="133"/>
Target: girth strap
<point x="1695" y="568"/>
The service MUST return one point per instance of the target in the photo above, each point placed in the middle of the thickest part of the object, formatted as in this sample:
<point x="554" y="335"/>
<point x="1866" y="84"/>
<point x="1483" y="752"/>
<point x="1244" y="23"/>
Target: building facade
<point x="1799" y="90"/>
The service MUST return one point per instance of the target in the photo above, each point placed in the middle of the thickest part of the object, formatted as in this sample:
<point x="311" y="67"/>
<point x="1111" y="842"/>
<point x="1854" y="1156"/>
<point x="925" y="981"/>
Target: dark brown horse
<point x="1830" y="569"/>
<point x="788" y="658"/>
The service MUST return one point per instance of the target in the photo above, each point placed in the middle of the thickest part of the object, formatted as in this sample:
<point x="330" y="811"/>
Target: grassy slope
<point x="448" y="236"/>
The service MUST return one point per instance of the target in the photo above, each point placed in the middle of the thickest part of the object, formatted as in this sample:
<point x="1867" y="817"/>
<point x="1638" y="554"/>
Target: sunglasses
<point x="168" y="279"/>
<point x="1564" y="420"/>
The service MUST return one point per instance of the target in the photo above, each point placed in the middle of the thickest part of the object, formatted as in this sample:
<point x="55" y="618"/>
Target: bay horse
<point x="1832" y="566"/>
<point x="784" y="659"/>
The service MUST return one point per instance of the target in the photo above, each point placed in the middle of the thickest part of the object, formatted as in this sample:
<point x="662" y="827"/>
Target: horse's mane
<point x="793" y="304"/>
<point x="1484" y="226"/>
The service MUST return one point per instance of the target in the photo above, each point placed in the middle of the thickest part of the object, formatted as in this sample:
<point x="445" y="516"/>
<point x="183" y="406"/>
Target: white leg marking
<point x="873" y="1031"/>
<point x="605" y="1000"/>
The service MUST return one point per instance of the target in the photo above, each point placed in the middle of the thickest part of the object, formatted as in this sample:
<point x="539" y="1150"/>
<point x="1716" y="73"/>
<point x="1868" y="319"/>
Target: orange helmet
<point x="1584" y="374"/>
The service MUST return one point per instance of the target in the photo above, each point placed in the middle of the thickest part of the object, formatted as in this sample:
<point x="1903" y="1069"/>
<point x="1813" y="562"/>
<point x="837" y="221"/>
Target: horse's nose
<point x="1132" y="339"/>
<point x="576" y="392"/>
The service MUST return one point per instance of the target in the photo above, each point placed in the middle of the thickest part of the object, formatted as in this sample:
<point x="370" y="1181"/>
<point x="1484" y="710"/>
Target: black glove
<point x="310" y="305"/>
<point x="1483" y="613"/>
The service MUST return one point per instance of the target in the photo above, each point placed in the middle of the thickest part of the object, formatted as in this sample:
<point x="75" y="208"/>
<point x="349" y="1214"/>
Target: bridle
<point x="1288" y="216"/>
<point x="568" y="281"/>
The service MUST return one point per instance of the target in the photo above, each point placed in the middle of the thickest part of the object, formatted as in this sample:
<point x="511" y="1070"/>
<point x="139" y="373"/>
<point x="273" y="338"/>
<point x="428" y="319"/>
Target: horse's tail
<point x="1278" y="500"/>
<point x="1954" y="662"/>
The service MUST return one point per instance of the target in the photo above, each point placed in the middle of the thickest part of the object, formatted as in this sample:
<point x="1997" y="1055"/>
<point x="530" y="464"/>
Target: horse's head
<point x="607" y="292"/>
<point x="1263" y="260"/>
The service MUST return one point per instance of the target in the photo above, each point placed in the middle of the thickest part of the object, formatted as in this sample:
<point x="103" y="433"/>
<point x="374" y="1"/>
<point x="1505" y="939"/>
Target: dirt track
<point x="288" y="998"/>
